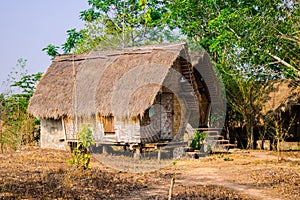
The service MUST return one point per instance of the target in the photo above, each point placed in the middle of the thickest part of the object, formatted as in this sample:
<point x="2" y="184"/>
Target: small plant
<point x="81" y="154"/>
<point x="172" y="181"/>
<point x="198" y="139"/>
<point x="227" y="159"/>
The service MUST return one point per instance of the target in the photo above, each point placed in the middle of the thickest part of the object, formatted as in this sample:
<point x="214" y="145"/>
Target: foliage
<point x="252" y="31"/>
<point x="228" y="159"/>
<point x="51" y="50"/>
<point x="74" y="37"/>
<point x="19" y="128"/>
<point x="81" y="154"/>
<point x="28" y="83"/>
<point x="250" y="42"/>
<point x="198" y="139"/>
<point x="246" y="98"/>
<point x="134" y="19"/>
<point x="2" y="117"/>
<point x="118" y="24"/>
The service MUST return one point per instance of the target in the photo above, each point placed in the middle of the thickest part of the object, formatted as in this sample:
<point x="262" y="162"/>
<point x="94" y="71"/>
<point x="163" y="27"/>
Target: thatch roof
<point x="90" y="83"/>
<point x="285" y="93"/>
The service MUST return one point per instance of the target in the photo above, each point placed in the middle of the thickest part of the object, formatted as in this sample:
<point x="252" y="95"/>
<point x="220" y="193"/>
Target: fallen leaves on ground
<point x="44" y="174"/>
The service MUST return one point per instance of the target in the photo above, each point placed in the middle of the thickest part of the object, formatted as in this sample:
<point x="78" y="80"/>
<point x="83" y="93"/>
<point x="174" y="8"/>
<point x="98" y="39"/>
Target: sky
<point x="27" y="26"/>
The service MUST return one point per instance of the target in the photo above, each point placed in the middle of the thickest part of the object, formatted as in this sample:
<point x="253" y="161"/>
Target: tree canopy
<point x="255" y="38"/>
<point x="111" y="24"/>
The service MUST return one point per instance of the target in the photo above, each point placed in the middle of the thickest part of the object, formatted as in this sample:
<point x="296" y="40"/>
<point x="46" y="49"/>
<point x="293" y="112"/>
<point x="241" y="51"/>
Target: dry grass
<point x="44" y="174"/>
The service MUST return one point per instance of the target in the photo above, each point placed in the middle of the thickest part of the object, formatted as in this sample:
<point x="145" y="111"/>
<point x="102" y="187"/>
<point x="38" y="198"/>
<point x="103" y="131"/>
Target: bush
<point x="81" y="154"/>
<point x="197" y="140"/>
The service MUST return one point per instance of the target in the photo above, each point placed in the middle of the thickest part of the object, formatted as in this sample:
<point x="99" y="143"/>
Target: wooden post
<point x="171" y="187"/>
<point x="64" y="130"/>
<point x="137" y="153"/>
<point x="158" y="153"/>
<point x="104" y="149"/>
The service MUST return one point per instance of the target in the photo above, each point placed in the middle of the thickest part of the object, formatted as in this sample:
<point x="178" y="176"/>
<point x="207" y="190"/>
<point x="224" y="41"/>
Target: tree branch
<point x="271" y="63"/>
<point x="295" y="39"/>
<point x="233" y="32"/>
<point x="281" y="61"/>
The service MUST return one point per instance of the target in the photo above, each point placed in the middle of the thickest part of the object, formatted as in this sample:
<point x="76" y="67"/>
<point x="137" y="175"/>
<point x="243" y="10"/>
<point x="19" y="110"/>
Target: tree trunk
<point x="251" y="136"/>
<point x="278" y="149"/>
<point x="250" y="133"/>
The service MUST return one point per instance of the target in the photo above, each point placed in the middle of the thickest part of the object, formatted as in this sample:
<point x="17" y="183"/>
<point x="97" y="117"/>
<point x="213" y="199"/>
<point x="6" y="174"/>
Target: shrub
<point x="81" y="154"/>
<point x="197" y="140"/>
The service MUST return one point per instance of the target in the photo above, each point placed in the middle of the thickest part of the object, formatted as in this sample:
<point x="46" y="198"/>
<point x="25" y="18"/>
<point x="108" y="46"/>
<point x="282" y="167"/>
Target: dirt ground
<point x="35" y="173"/>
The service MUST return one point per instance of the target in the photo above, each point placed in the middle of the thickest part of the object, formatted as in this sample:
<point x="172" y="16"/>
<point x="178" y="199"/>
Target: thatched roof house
<point x="285" y="93"/>
<point x="284" y="104"/>
<point x="116" y="92"/>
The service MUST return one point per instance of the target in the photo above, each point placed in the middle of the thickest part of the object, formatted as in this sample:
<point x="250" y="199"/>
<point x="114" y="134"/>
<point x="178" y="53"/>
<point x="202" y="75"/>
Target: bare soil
<point x="35" y="173"/>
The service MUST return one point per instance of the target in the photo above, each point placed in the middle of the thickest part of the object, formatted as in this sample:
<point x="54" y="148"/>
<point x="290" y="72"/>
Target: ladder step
<point x="223" y="141"/>
<point x="211" y="133"/>
<point x="215" y="137"/>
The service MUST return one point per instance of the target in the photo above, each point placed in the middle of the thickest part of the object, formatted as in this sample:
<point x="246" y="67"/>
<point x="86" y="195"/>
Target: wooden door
<point x="166" y="113"/>
<point x="108" y="124"/>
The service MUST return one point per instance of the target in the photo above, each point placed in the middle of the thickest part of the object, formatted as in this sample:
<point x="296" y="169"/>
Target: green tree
<point x="113" y="24"/>
<point x="51" y="50"/>
<point x="74" y="37"/>
<point x="133" y="19"/>
<point x="20" y="127"/>
<point x="255" y="31"/>
<point x="250" y="42"/>
<point x="246" y="97"/>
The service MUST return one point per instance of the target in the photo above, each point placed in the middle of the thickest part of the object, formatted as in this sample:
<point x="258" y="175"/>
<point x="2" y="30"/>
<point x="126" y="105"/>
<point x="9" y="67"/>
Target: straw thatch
<point x="121" y="83"/>
<point x="285" y="94"/>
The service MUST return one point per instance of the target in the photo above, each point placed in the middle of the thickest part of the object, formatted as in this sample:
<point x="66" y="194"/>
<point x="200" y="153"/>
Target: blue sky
<point x="27" y="26"/>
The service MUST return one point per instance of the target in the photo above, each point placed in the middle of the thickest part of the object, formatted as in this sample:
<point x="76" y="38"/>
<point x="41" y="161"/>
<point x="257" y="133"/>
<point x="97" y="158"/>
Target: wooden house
<point x="132" y="96"/>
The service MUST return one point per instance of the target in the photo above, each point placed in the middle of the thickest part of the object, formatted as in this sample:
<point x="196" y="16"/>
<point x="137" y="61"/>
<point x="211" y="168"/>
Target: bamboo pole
<point x="171" y="187"/>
